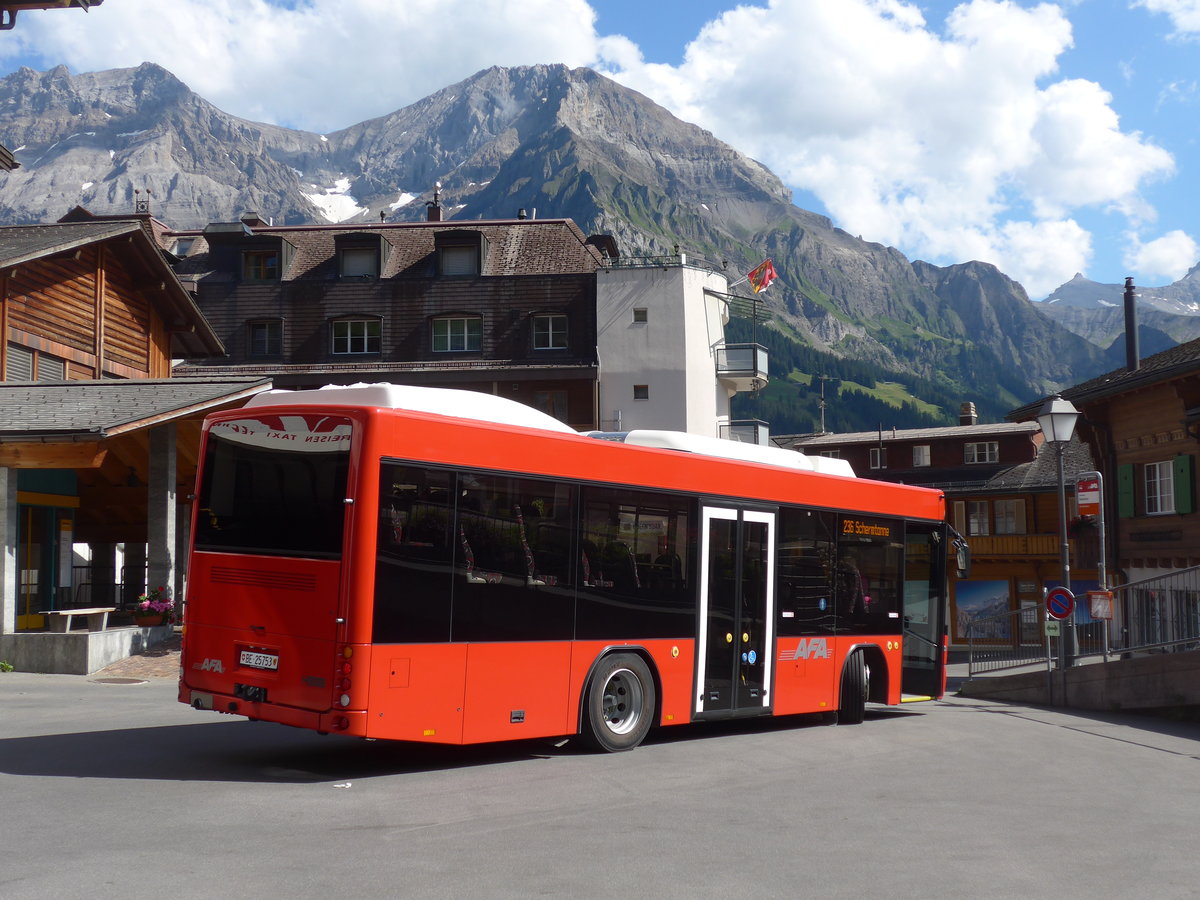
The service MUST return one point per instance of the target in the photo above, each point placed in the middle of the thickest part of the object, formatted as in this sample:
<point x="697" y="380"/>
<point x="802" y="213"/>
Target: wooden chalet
<point x="96" y="439"/>
<point x="1143" y="427"/>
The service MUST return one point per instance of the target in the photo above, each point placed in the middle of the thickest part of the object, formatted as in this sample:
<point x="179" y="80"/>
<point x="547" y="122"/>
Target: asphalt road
<point x="116" y="790"/>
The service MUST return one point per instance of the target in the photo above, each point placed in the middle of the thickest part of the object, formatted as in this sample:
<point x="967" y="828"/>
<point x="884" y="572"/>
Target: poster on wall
<point x="980" y="609"/>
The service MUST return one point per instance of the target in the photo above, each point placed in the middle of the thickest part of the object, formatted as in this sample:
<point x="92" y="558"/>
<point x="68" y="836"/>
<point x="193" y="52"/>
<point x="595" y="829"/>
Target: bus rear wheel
<point x="852" y="706"/>
<point x="620" y="704"/>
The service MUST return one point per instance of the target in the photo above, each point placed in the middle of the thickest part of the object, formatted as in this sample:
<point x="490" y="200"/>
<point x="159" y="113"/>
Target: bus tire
<point x="852" y="705"/>
<point x="619" y="708"/>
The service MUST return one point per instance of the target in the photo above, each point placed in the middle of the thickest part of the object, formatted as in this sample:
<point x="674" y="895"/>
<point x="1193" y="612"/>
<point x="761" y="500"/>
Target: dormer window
<point x="360" y="255"/>
<point x="260" y="265"/>
<point x="183" y="246"/>
<point x="360" y="262"/>
<point x="460" y="252"/>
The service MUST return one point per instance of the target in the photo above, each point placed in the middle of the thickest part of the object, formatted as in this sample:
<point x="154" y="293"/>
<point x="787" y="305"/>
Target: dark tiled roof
<point x="515" y="247"/>
<point x="95" y="409"/>
<point x="1042" y="473"/>
<point x="1180" y="360"/>
<point x="21" y="243"/>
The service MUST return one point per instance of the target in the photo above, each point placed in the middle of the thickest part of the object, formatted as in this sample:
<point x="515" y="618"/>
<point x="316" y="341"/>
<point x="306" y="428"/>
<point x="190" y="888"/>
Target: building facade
<point x="529" y="309"/>
<point x="1001" y="487"/>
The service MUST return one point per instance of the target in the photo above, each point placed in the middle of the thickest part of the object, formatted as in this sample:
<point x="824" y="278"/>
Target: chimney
<point x="521" y="213"/>
<point x="433" y="208"/>
<point x="1132" y="354"/>
<point x="966" y="414"/>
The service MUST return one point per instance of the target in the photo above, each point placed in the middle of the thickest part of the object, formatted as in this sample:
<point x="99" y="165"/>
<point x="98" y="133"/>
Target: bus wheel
<point x="853" y="705"/>
<point x="620" y="703"/>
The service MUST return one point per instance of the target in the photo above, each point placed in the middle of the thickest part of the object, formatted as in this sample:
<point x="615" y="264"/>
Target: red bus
<point x="424" y="564"/>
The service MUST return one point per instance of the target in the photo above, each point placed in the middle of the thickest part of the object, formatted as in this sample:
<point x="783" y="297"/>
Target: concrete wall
<point x="672" y="352"/>
<point x="77" y="652"/>
<point x="1154" y="681"/>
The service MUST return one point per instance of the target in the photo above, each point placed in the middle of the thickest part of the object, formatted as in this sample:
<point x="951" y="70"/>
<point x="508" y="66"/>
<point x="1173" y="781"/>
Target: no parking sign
<point x="1059" y="603"/>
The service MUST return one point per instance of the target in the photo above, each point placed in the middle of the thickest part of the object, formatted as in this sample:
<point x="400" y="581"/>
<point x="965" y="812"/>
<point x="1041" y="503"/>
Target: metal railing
<point x="748" y="431"/>
<point x="1155" y="615"/>
<point x="748" y="360"/>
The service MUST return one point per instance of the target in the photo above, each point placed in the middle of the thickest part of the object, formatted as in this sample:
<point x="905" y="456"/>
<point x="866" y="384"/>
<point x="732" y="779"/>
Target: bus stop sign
<point x="1059" y="603"/>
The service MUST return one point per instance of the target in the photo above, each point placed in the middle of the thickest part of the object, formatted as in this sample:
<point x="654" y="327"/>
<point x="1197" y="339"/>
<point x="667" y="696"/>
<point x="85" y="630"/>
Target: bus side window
<point x="414" y="555"/>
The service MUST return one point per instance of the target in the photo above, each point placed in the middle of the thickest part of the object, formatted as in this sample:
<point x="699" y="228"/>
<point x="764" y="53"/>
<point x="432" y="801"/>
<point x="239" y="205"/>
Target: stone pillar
<point x="10" y="574"/>
<point x="103" y="574"/>
<point x="133" y="580"/>
<point x="160" y="508"/>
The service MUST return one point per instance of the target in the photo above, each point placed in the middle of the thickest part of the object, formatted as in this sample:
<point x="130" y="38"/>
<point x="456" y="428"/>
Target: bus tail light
<point x="344" y="700"/>
<point x="340" y="723"/>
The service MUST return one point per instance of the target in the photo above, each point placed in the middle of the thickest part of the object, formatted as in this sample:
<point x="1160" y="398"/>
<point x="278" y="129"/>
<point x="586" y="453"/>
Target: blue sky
<point x="1046" y="138"/>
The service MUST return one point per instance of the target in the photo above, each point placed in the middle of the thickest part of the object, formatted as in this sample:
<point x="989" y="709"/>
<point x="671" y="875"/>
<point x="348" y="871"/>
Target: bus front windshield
<point x="274" y="485"/>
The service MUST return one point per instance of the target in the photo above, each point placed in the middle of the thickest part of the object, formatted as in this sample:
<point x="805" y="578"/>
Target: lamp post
<point x="1057" y="419"/>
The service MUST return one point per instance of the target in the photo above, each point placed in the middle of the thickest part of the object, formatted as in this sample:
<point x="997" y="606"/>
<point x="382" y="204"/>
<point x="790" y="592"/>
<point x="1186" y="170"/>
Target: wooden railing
<point x="1014" y="545"/>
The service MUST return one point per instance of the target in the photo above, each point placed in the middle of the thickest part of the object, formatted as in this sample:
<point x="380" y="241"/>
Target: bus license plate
<point x="259" y="660"/>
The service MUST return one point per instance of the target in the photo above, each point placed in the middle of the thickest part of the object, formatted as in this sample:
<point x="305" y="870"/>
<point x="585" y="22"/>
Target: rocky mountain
<point x="556" y="142"/>
<point x="1096" y="311"/>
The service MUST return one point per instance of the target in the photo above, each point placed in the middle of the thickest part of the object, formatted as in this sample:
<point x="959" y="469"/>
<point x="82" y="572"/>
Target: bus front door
<point x="737" y="613"/>
<point x="923" y="669"/>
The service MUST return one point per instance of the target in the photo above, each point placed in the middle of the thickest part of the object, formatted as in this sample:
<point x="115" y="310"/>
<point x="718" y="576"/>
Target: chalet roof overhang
<point x="1176" y="363"/>
<point x="190" y="331"/>
<point x="909" y="435"/>
<point x="35" y="415"/>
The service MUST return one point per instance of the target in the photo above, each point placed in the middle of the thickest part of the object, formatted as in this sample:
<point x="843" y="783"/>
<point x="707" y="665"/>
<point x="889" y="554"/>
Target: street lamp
<point x="1057" y="419"/>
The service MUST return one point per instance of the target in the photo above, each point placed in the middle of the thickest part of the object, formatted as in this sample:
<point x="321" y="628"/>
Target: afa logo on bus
<point x="808" y="648"/>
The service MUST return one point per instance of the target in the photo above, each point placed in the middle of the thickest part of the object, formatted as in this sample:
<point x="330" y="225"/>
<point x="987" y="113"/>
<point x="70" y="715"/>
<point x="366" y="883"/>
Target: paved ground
<point x="161" y="662"/>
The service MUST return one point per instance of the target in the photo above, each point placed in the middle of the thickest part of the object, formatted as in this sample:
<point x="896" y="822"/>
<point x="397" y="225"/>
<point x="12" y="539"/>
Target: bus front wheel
<point x="852" y="706"/>
<point x="620" y="703"/>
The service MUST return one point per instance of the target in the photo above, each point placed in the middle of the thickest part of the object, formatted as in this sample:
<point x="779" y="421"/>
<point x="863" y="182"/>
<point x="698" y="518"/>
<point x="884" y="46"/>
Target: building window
<point x="260" y="265"/>
<point x="360" y="262"/>
<point x="356" y="336"/>
<point x="463" y="333"/>
<point x="641" y="392"/>
<point x="266" y="338"/>
<point x="183" y="246"/>
<point x="982" y="452"/>
<point x="1160" y="488"/>
<point x="920" y="456"/>
<point x="461" y="260"/>
<point x="550" y="332"/>
<point x="830" y="454"/>
<point x="1009" y="516"/>
<point x="977" y="517"/>
<point x="553" y="403"/>
<point x="641" y="316"/>
<point x="878" y="457"/>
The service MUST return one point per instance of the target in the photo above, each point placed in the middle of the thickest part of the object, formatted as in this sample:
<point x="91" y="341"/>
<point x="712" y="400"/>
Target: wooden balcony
<point x="1014" y="545"/>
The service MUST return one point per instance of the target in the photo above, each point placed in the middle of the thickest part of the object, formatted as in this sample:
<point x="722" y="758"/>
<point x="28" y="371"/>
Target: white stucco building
<point x="664" y="361"/>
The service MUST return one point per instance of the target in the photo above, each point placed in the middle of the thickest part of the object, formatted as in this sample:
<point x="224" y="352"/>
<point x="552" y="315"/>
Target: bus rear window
<point x="274" y="486"/>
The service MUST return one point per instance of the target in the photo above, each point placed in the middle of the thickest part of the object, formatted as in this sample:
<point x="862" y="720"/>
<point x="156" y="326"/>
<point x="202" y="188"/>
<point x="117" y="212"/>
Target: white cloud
<point x="313" y="64"/>
<point x="963" y="144"/>
<point x="951" y="140"/>
<point x="1167" y="258"/>
<point x="1184" y="14"/>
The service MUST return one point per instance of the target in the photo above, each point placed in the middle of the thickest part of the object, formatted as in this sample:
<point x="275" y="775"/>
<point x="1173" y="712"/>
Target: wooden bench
<point x="97" y="616"/>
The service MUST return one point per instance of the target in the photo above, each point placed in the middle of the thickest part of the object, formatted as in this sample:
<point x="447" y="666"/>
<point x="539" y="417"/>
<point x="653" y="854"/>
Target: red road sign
<point x="1087" y="496"/>
<point x="1059" y="603"/>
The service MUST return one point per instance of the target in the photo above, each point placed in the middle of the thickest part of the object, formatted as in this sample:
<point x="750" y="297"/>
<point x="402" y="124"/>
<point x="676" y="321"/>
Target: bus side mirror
<point x="962" y="558"/>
